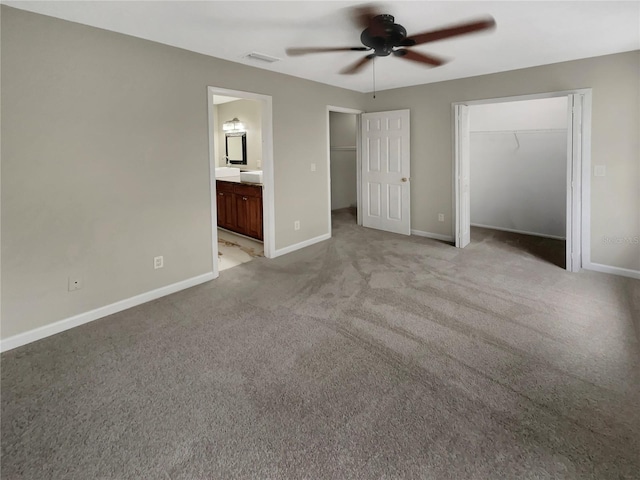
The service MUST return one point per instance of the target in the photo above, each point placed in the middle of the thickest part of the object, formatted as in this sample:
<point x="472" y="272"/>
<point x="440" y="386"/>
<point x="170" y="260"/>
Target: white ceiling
<point x="527" y="34"/>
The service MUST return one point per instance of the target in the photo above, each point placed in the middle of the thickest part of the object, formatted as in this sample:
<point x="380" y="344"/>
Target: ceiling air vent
<point x="262" y="57"/>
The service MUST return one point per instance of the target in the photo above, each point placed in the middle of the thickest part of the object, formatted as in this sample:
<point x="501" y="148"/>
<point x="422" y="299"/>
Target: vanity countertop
<point x="236" y="179"/>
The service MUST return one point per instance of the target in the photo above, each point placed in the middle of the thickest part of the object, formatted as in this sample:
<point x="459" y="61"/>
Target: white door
<point x="385" y="171"/>
<point x="574" y="169"/>
<point x="462" y="176"/>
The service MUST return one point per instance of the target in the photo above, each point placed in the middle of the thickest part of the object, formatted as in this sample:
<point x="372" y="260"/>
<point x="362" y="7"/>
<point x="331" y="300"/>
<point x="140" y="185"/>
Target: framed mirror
<point x="236" y="148"/>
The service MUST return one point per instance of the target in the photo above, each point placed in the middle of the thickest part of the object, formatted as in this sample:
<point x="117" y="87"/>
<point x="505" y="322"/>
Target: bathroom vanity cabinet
<point x="240" y="208"/>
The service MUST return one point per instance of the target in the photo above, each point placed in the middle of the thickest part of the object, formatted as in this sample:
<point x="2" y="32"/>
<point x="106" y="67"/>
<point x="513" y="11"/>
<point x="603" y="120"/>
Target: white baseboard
<point x="298" y="246"/>
<point x="523" y="232"/>
<point x="435" y="236"/>
<point x="86" y="317"/>
<point x="623" y="272"/>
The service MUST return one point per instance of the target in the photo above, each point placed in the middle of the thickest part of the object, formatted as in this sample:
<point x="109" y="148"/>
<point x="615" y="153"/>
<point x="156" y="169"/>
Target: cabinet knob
<point x="220" y="193"/>
<point x="244" y="198"/>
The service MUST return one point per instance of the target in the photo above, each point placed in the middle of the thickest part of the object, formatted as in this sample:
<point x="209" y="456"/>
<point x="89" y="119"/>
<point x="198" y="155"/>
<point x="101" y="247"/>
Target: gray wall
<point x="615" y="199"/>
<point x="249" y="112"/>
<point x="342" y="128"/>
<point x="542" y="113"/>
<point x="105" y="163"/>
<point x="519" y="165"/>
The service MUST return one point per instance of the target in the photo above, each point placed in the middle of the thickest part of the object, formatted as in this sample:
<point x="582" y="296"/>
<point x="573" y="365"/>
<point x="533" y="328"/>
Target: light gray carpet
<point x="367" y="356"/>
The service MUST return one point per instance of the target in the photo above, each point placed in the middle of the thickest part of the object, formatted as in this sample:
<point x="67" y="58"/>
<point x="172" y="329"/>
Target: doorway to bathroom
<point x="241" y="177"/>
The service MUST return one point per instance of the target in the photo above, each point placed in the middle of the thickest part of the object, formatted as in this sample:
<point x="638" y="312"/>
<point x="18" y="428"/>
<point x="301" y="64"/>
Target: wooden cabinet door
<point x="226" y="210"/>
<point x="254" y="217"/>
<point x="249" y="215"/>
<point x="242" y="214"/>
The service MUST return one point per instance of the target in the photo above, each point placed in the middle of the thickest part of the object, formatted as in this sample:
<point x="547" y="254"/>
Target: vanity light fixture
<point x="234" y="125"/>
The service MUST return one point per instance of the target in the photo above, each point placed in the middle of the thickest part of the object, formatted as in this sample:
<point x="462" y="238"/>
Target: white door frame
<point x="578" y="230"/>
<point x="463" y="174"/>
<point x="268" y="199"/>
<point x="357" y="113"/>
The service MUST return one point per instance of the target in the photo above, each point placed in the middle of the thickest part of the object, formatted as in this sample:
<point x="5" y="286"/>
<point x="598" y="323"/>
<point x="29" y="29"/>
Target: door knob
<point x="405" y="179"/>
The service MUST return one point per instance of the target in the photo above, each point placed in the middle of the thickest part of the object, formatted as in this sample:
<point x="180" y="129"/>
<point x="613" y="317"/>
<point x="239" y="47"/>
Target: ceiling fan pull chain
<point x="374" y="77"/>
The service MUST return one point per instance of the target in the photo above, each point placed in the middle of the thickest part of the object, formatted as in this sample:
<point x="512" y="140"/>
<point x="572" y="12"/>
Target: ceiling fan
<point x="385" y="37"/>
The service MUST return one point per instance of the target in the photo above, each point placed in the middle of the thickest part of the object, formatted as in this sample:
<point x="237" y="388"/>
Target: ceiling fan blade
<point x="462" y="29"/>
<point x="356" y="67"/>
<point x="304" y="51"/>
<point x="367" y="16"/>
<point x="363" y="15"/>
<point x="419" y="57"/>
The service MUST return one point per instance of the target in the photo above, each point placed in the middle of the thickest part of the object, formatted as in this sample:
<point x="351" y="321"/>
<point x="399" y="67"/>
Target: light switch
<point x="313" y="167"/>
<point x="600" y="171"/>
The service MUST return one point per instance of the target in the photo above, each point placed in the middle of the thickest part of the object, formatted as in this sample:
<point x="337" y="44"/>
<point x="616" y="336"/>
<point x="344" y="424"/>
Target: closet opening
<point x="343" y="157"/>
<point x="518" y="175"/>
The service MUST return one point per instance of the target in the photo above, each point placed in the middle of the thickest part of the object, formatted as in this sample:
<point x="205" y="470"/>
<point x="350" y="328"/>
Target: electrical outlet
<point x="441" y="217"/>
<point x="75" y="283"/>
<point x="158" y="262"/>
<point x="258" y="163"/>
<point x="313" y="167"/>
<point x="296" y="225"/>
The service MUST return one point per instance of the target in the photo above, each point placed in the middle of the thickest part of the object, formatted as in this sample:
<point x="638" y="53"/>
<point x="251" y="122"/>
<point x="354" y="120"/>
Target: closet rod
<point x="547" y="130"/>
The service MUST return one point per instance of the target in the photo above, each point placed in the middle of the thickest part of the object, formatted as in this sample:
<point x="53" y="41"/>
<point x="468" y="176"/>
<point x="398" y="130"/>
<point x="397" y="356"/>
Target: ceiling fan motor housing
<point x="383" y="35"/>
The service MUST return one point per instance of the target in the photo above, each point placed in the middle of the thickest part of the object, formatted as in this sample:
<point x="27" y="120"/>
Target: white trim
<point x="331" y="108"/>
<point x="457" y="191"/>
<point x="435" y="236"/>
<point x="211" y="126"/>
<point x="354" y="111"/>
<point x="583" y="184"/>
<point x="86" y="317"/>
<point x="344" y="149"/>
<point x="528" y="96"/>
<point x="358" y="168"/>
<point x="455" y="114"/>
<point x="268" y="189"/>
<point x="306" y="243"/>
<point x="571" y="222"/>
<point x="523" y="232"/>
<point x="586" y="177"/>
<point x="575" y="176"/>
<point x="624" y="272"/>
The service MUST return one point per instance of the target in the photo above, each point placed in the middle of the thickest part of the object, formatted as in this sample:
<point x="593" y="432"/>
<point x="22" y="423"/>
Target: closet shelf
<point x="546" y="130"/>
<point x="343" y="149"/>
